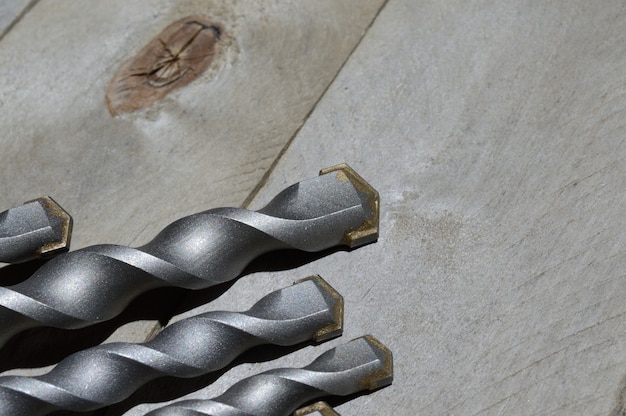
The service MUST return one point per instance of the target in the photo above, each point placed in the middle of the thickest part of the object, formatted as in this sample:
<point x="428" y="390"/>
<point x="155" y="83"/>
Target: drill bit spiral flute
<point x="109" y="373"/>
<point x="361" y="364"/>
<point x="96" y="283"/>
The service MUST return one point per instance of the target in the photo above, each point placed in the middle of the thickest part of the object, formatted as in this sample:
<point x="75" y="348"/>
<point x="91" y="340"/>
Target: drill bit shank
<point x="109" y="373"/>
<point x="96" y="283"/>
<point x="361" y="364"/>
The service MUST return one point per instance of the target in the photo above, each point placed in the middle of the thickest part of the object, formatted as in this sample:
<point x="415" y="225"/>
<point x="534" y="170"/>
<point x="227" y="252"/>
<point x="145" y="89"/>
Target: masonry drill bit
<point x="316" y="409"/>
<point x="109" y="373"/>
<point x="96" y="283"/>
<point x="38" y="228"/>
<point x="361" y="364"/>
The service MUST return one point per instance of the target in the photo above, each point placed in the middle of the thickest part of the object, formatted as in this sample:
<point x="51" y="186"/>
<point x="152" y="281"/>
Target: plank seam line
<point x="263" y="181"/>
<point x="18" y="18"/>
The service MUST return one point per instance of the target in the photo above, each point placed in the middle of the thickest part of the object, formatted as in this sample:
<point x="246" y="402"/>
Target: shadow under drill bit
<point x="13" y="274"/>
<point x="43" y="346"/>
<point x="275" y="261"/>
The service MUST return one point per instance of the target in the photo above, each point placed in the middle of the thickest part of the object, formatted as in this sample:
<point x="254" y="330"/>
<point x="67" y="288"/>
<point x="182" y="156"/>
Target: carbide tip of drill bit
<point x="384" y="375"/>
<point x="37" y="228"/>
<point x="56" y="213"/>
<point x="316" y="409"/>
<point x="361" y="364"/>
<point x="336" y="300"/>
<point x="108" y="373"/>
<point x="368" y="231"/>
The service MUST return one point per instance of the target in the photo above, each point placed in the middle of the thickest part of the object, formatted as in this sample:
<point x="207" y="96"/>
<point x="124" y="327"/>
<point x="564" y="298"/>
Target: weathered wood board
<point x="494" y="132"/>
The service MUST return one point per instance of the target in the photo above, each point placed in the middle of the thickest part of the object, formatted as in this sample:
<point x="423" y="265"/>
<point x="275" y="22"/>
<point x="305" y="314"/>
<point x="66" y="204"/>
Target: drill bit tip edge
<point x="37" y="228"/>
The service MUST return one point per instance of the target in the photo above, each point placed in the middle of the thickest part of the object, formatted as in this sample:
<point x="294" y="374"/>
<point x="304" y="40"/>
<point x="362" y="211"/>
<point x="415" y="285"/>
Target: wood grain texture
<point x="205" y="145"/>
<point x="494" y="132"/>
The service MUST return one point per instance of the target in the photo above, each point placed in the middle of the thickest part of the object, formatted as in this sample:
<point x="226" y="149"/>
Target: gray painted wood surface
<point x="494" y="133"/>
<point x="11" y="12"/>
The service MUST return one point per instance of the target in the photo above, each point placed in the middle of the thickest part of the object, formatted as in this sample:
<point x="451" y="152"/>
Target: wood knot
<point x="174" y="58"/>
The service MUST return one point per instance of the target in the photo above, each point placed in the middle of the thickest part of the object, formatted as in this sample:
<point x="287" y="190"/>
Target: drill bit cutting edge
<point x="109" y="373"/>
<point x="361" y="364"/>
<point x="96" y="283"/>
<point x="38" y="228"/>
<point x="316" y="409"/>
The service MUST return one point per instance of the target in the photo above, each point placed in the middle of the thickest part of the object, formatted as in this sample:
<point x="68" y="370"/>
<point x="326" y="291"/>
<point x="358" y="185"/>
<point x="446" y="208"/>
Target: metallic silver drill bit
<point x="361" y="364"/>
<point x="96" y="283"/>
<point x="316" y="409"/>
<point x="38" y="228"/>
<point x="109" y="373"/>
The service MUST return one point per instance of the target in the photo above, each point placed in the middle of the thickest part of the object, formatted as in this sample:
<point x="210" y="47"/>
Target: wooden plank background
<point x="494" y="132"/>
